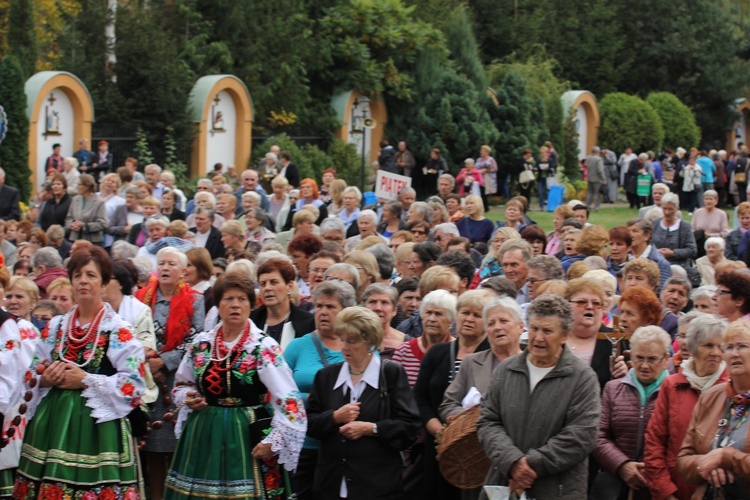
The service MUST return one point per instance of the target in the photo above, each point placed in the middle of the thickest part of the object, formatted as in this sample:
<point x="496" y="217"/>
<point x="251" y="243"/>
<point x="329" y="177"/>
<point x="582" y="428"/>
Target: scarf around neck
<point x="180" y="315"/>
<point x="646" y="392"/>
<point x="701" y="383"/>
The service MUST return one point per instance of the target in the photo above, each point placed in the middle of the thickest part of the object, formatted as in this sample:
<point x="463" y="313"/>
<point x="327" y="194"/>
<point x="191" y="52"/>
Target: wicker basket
<point x="462" y="460"/>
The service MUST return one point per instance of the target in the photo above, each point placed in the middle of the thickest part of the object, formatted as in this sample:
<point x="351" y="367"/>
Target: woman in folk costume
<point x="178" y="314"/>
<point x="78" y="443"/>
<point x="241" y="418"/>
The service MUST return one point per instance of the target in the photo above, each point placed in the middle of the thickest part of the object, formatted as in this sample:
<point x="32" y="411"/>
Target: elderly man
<point x="10" y="208"/>
<point x="153" y="178"/>
<point x="86" y="158"/>
<point x="597" y="178"/>
<point x="47" y="266"/>
<point x="204" y="185"/>
<point x="541" y="269"/>
<point x="446" y="185"/>
<point x="55" y="239"/>
<point x="404" y="160"/>
<point x="658" y="191"/>
<point x="676" y="294"/>
<point x="250" y="182"/>
<point x="226" y="206"/>
<point x="206" y="199"/>
<point x="406" y="196"/>
<point x="445" y="232"/>
<point x="206" y="235"/>
<point x="367" y="223"/>
<point x="513" y="256"/>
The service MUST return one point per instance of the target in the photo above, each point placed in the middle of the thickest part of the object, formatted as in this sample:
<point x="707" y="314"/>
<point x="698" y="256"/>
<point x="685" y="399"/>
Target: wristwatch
<point x="374" y="429"/>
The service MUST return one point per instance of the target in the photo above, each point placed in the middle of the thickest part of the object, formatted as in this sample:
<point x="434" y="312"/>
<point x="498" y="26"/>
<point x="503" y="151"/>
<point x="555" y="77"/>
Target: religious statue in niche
<point x="217" y="117"/>
<point x="52" y="117"/>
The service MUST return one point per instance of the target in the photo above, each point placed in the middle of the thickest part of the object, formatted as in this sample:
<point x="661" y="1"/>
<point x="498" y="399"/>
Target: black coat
<point x="387" y="160"/>
<point x="213" y="244"/>
<point x="371" y="464"/>
<point x="54" y="212"/>
<point x="292" y="175"/>
<point x="302" y="321"/>
<point x="9" y="203"/>
<point x="134" y="230"/>
<point x="176" y="214"/>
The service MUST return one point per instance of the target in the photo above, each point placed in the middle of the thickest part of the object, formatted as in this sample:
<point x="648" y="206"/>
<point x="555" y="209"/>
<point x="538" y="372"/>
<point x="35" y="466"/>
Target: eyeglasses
<point x="318" y="270"/>
<point x="741" y="347"/>
<point x="418" y="232"/>
<point x="595" y="304"/>
<point x="534" y="281"/>
<point x="651" y="361"/>
<point x="723" y="292"/>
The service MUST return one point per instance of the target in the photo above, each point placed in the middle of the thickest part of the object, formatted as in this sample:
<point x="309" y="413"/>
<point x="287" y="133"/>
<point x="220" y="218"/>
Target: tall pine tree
<point x="21" y="36"/>
<point x="14" y="150"/>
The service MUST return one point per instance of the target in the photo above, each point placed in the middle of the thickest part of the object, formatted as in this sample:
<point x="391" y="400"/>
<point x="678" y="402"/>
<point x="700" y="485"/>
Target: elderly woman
<point x="503" y="323"/>
<point x="279" y="200"/>
<point x="732" y="297"/>
<point x="303" y="223"/>
<point x="713" y="452"/>
<point x="138" y="234"/>
<point x="714" y="255"/>
<point x="329" y="175"/>
<point x="542" y="450"/>
<point x="307" y="355"/>
<point x="639" y="307"/>
<point x="587" y="298"/>
<point x="278" y="317"/>
<point x="308" y="191"/>
<point x="21" y="296"/>
<point x="453" y="205"/>
<point x="351" y="198"/>
<point x="126" y="216"/>
<point x="620" y="243"/>
<point x="56" y="207"/>
<point x="367" y="266"/>
<point x="438" y="313"/>
<point x="514" y="212"/>
<point x="198" y="274"/>
<point x="157" y="228"/>
<point x="318" y="266"/>
<point x="592" y="242"/>
<point x="627" y="404"/>
<point x="343" y="272"/>
<point x="78" y="444"/>
<point x="71" y="173"/>
<point x="704" y="299"/>
<point x="673" y="237"/>
<point x="470" y="179"/>
<point x="554" y="238"/>
<point x="169" y="201"/>
<point x="301" y="249"/>
<point x="678" y="395"/>
<point x="391" y="222"/>
<point x="475" y="225"/>
<point x="367" y="224"/>
<point x="205" y="199"/>
<point x="178" y="313"/>
<point x="643" y="244"/>
<point x="491" y="262"/>
<point x="423" y="257"/>
<point x="108" y="193"/>
<point x="363" y="413"/>
<point x="224" y="382"/>
<point x="710" y="219"/>
<point x="736" y="241"/>
<point x="382" y="299"/>
<point x="60" y="291"/>
<point x="437" y="371"/>
<point x="87" y="215"/>
<point x="233" y="236"/>
<point x="488" y="167"/>
<point x="535" y="236"/>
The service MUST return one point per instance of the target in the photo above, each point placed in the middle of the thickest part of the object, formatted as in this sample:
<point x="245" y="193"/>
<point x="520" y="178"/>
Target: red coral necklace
<point x="78" y="338"/>
<point x="220" y="354"/>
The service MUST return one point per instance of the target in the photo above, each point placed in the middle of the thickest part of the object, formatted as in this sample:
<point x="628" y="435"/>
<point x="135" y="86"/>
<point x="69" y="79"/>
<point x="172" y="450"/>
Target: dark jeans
<point x="742" y="191"/>
<point x="691" y="199"/>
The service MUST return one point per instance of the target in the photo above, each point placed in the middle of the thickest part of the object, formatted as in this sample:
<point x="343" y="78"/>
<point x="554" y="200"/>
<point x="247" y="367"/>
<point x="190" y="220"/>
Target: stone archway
<point x="349" y="107"/>
<point x="60" y="111"/>
<point x="583" y="104"/>
<point x="222" y="110"/>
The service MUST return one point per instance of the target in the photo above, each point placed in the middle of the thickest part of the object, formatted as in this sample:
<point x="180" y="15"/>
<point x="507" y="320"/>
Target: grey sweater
<point x="555" y="427"/>
<point x="682" y="241"/>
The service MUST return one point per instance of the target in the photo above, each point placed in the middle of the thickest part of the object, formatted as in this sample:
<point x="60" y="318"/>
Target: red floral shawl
<point x="180" y="312"/>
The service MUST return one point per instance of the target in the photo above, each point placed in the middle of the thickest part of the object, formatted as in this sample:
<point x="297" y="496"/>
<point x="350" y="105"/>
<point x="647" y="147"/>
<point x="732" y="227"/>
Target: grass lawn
<point x="608" y="216"/>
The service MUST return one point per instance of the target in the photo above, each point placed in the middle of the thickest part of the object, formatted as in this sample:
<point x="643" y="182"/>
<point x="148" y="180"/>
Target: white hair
<point x="660" y="186"/>
<point x="704" y="291"/>
<point x="370" y="214"/>
<point x="209" y="196"/>
<point x="332" y="224"/>
<point x="506" y="304"/>
<point x="153" y="166"/>
<point x="448" y="228"/>
<point x="714" y="240"/>
<point x="650" y="335"/>
<point x="244" y="267"/>
<point x="672" y="199"/>
<point x="442" y="299"/>
<point x="602" y="275"/>
<point x="272" y="156"/>
<point x="711" y="192"/>
<point x="353" y="189"/>
<point x="267" y="255"/>
<point x="160" y="220"/>
<point x="181" y="257"/>
<point x="2" y="171"/>
<point x="205" y="181"/>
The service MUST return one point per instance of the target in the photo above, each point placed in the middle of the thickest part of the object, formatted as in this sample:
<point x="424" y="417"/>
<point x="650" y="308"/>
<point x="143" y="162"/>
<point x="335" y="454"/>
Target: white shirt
<point x="371" y="377"/>
<point x="536" y="374"/>
<point x="201" y="238"/>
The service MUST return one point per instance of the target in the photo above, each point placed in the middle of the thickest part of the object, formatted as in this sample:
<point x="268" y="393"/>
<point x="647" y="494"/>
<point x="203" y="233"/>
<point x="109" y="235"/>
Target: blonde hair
<point x="302" y="216"/>
<point x="111" y="176"/>
<point x="577" y="270"/>
<point x="368" y="262"/>
<point x="25" y="285"/>
<point x="579" y="285"/>
<point x="436" y="278"/>
<point x="178" y="228"/>
<point x="552" y="287"/>
<point x="280" y="181"/>
<point x="404" y="251"/>
<point x="739" y="328"/>
<point x="368" y="242"/>
<point x="477" y="201"/>
<point x="337" y="191"/>
<point x="233" y="228"/>
<point x="151" y="201"/>
<point x="359" y="322"/>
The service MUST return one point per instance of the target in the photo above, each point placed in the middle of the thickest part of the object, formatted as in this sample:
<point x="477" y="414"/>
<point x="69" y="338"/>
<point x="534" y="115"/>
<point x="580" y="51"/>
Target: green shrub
<point x="629" y="121"/>
<point x="678" y="120"/>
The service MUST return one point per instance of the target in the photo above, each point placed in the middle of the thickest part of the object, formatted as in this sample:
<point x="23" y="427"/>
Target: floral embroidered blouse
<point x="115" y="380"/>
<point x="258" y="376"/>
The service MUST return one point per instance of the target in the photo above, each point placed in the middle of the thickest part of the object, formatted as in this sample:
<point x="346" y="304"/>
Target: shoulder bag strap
<point x="319" y="347"/>
<point x="384" y="396"/>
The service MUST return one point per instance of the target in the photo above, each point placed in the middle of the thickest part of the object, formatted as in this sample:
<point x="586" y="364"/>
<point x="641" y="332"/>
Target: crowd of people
<point x="276" y="337"/>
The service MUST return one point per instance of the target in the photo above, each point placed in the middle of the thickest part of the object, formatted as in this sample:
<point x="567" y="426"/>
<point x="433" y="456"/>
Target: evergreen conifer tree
<point x="14" y="150"/>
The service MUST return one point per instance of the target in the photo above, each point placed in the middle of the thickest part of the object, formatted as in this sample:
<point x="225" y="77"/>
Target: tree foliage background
<point x="431" y="60"/>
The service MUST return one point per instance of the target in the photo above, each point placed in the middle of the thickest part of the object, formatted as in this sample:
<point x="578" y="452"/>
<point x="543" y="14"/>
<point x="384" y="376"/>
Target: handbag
<point x="740" y="177"/>
<point x="527" y="176"/>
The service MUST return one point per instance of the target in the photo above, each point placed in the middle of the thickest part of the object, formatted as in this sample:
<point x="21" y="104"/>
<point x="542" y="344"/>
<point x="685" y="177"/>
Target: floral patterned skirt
<point x="214" y="460"/>
<point x="67" y="455"/>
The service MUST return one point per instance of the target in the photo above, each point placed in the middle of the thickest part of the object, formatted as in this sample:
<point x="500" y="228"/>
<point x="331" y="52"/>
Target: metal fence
<point x="121" y="140"/>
